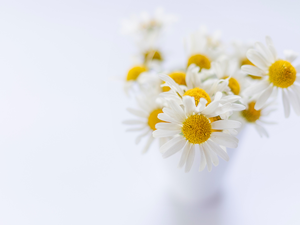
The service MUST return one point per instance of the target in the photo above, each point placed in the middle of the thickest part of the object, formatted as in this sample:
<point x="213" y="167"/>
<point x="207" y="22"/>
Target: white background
<point x="64" y="155"/>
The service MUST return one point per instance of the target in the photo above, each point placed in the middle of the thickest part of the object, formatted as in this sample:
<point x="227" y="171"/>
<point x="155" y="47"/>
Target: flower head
<point x="277" y="74"/>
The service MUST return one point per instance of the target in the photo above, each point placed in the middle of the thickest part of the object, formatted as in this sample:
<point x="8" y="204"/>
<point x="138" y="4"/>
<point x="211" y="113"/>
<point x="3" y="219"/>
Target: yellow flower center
<point x="198" y="93"/>
<point x="153" y="120"/>
<point x="234" y="85"/>
<point x="152" y="55"/>
<point x="251" y="114"/>
<point x="178" y="77"/>
<point x="199" y="60"/>
<point x="134" y="72"/>
<point x="282" y="74"/>
<point x="196" y="129"/>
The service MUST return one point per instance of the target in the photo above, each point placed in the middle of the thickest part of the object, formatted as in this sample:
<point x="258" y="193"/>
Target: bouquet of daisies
<point x="202" y="107"/>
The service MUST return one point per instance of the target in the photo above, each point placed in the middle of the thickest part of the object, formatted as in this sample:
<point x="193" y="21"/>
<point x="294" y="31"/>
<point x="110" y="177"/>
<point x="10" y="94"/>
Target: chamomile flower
<point x="229" y="70"/>
<point x="202" y="50"/>
<point x="277" y="74"/>
<point x="147" y="28"/>
<point x="197" y="89"/>
<point x="133" y="75"/>
<point x="194" y="127"/>
<point x="254" y="117"/>
<point x="146" y="118"/>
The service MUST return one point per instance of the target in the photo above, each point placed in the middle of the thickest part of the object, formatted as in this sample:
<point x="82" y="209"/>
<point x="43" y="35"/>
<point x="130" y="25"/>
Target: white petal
<point x="174" y="148"/>
<point x="171" y="83"/>
<point x="290" y="55"/>
<point x="218" y="150"/>
<point x="294" y="101"/>
<point x="167" y="126"/>
<point x="138" y="138"/>
<point x="203" y="160"/>
<point x="286" y="104"/>
<point x="201" y="105"/>
<point x="169" y="144"/>
<point x="136" y="128"/>
<point x="207" y="156"/>
<point x="184" y="154"/>
<point x="165" y="133"/>
<point x="253" y="70"/>
<point x="296" y="89"/>
<point x="162" y="141"/>
<point x="165" y="117"/>
<point x="264" y="97"/>
<point x="138" y="113"/>
<point x="225" y="124"/>
<point x="214" y="158"/>
<point x="257" y="88"/>
<point x="262" y="132"/>
<point x="257" y="59"/>
<point x="230" y="98"/>
<point x="190" y="159"/>
<point x="213" y="155"/>
<point x="189" y="105"/>
<point x="265" y="52"/>
<point x="224" y="139"/>
<point x="148" y="143"/>
<point x="178" y="110"/>
<point x="211" y="108"/>
<point x="271" y="47"/>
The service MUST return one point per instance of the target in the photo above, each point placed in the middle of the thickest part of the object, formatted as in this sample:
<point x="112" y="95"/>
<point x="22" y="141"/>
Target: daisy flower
<point x="147" y="28"/>
<point x="197" y="89"/>
<point x="240" y="55"/>
<point x="257" y="118"/>
<point x="227" y="69"/>
<point x="194" y="127"/>
<point x="202" y="49"/>
<point x="133" y="75"/>
<point x="277" y="74"/>
<point x="146" y="119"/>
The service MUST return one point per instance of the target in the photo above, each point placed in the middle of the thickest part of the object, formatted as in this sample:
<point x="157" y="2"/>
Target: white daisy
<point x="194" y="127"/>
<point x="146" y="28"/>
<point x="132" y="76"/>
<point x="228" y="69"/>
<point x="198" y="89"/>
<point x="149" y="108"/>
<point x="277" y="74"/>
<point x="254" y="117"/>
<point x="202" y="49"/>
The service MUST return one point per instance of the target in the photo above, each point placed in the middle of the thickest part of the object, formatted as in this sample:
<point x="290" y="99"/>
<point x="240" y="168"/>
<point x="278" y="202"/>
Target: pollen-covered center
<point x="153" y="119"/>
<point x="152" y="55"/>
<point x="251" y="114"/>
<point x="199" y="60"/>
<point x="198" y="93"/>
<point x="134" y="72"/>
<point x="234" y="85"/>
<point x="178" y="77"/>
<point x="197" y="129"/>
<point x="282" y="74"/>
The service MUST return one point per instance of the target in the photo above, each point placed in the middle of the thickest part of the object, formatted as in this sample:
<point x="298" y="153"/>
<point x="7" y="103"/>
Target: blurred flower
<point x="146" y="118"/>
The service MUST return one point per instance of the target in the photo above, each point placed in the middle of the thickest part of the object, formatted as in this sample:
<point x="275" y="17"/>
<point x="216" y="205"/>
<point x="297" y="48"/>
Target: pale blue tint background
<point x="64" y="155"/>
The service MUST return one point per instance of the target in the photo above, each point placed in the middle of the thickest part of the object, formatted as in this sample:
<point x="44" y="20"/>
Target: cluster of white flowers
<point x="203" y="106"/>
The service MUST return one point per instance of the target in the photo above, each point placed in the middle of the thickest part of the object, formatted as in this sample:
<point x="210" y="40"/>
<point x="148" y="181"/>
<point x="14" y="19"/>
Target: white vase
<point x="194" y="187"/>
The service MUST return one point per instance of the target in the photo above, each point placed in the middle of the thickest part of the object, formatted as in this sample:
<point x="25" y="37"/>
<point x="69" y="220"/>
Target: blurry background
<point x="64" y="155"/>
